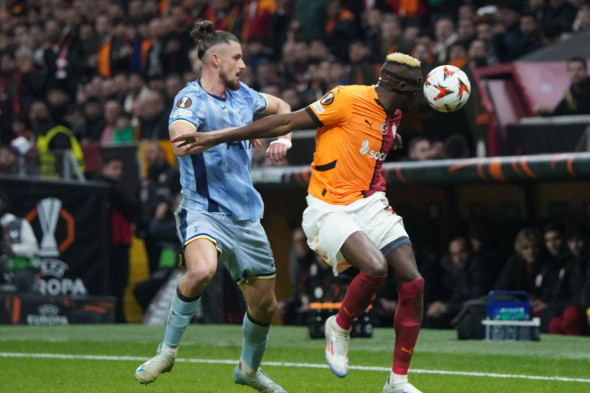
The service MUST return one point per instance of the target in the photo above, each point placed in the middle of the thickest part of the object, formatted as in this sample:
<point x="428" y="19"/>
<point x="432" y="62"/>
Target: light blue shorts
<point x="243" y="246"/>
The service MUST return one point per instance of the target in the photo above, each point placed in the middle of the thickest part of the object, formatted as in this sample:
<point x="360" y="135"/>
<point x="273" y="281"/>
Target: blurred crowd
<point x="108" y="70"/>
<point x="550" y="262"/>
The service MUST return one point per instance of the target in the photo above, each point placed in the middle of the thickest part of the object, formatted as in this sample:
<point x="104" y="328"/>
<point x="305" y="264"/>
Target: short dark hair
<point x="108" y="158"/>
<point x="578" y="59"/>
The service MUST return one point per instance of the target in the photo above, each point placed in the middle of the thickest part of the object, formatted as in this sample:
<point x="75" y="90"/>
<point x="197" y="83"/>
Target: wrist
<point x="283" y="141"/>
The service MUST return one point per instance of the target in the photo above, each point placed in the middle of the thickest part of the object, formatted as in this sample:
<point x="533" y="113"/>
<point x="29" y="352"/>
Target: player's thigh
<point x="403" y="262"/>
<point x="200" y="257"/>
<point x="259" y="294"/>
<point x="199" y="233"/>
<point x="360" y="251"/>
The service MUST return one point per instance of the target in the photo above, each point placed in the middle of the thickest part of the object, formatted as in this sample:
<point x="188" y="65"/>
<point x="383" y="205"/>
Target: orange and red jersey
<point x="353" y="138"/>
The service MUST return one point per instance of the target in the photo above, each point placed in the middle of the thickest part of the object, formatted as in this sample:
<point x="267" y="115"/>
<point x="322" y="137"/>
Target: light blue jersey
<point x="218" y="180"/>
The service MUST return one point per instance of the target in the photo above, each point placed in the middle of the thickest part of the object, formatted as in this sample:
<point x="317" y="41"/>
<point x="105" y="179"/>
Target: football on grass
<point x="447" y="88"/>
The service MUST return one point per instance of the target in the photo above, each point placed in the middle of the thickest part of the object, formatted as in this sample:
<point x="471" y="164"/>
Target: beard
<point x="232" y="84"/>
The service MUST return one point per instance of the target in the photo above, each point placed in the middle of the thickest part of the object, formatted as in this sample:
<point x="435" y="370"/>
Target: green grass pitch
<point x="103" y="358"/>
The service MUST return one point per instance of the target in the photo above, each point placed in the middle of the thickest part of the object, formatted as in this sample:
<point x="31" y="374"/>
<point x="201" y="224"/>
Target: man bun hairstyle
<point x="205" y="36"/>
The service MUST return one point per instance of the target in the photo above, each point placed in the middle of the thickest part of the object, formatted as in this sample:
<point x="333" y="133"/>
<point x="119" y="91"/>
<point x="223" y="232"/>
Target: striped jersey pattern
<point x="218" y="180"/>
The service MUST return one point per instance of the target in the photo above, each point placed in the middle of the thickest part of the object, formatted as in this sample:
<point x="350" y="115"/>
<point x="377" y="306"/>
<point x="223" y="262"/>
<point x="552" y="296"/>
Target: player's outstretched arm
<point x="277" y="150"/>
<point x="268" y="127"/>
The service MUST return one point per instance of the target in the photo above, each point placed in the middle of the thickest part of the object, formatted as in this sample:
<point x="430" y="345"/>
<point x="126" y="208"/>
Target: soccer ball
<point x="446" y="88"/>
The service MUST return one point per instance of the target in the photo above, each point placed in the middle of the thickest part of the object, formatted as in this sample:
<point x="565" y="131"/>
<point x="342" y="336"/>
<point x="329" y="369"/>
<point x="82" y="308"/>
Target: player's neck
<point x="386" y="100"/>
<point x="213" y="85"/>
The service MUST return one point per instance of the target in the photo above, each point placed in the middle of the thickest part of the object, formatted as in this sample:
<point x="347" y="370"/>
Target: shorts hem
<point x="397" y="243"/>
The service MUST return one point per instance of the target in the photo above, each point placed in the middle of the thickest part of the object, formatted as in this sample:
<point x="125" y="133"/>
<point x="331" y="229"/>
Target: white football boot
<point x="259" y="380"/>
<point x="161" y="363"/>
<point x="337" y="340"/>
<point x="404" y="387"/>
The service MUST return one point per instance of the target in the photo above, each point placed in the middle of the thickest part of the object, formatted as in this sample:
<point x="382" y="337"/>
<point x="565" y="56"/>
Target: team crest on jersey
<point x="327" y="99"/>
<point x="184" y="102"/>
<point x="385" y="129"/>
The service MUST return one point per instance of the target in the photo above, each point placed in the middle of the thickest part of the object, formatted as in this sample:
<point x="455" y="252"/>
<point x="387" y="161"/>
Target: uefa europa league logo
<point x="48" y="210"/>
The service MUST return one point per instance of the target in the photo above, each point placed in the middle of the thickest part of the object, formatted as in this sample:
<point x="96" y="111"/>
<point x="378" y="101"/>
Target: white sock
<point x="396" y="379"/>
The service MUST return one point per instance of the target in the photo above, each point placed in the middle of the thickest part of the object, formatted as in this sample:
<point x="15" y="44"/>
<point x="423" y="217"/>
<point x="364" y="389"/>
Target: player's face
<point x="408" y="80"/>
<point x="232" y="65"/>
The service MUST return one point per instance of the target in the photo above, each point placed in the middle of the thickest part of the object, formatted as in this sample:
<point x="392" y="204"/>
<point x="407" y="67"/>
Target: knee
<point x="199" y="276"/>
<point x="376" y="265"/>
<point x="264" y="309"/>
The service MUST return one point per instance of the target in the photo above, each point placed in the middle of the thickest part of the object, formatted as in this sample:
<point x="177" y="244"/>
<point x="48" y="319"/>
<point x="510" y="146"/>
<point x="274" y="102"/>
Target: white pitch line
<point x="284" y="364"/>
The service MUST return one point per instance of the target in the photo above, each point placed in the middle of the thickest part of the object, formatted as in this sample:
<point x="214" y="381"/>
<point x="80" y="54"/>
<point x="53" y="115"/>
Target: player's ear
<point x="215" y="59"/>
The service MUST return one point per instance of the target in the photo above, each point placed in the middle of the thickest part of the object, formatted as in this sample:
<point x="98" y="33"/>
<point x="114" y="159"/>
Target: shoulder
<point x="246" y="90"/>
<point x="353" y="91"/>
<point x="191" y="90"/>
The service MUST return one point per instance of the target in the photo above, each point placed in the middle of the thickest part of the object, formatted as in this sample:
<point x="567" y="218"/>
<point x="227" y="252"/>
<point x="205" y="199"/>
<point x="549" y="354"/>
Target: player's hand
<point x="397" y="142"/>
<point x="192" y="143"/>
<point x="277" y="150"/>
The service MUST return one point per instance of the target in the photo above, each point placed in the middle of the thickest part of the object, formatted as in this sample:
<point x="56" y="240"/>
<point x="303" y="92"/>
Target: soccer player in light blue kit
<point x="219" y="216"/>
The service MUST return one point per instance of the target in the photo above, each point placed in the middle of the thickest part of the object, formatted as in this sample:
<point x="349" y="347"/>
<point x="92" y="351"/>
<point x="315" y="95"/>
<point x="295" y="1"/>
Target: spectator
<point x="419" y="149"/>
<point x="560" y="14"/>
<point x="372" y="21"/>
<point x="578" y="242"/>
<point x="477" y="54"/>
<point x="457" y="54"/>
<point x="391" y="33"/>
<point x="485" y="33"/>
<point x="531" y="30"/>
<point x="456" y="146"/>
<point x="280" y="27"/>
<point x="8" y="160"/>
<point x="508" y="40"/>
<point x="257" y="15"/>
<point x="563" y="314"/>
<point x="465" y="30"/>
<point x="112" y="110"/>
<point x="91" y="129"/>
<point x="524" y="271"/>
<point x="341" y="29"/>
<point x="122" y="214"/>
<point x="138" y="90"/>
<point x="51" y="140"/>
<point x="19" y="266"/>
<point x="153" y="123"/>
<point x="577" y="97"/>
<point x="177" y="42"/>
<point x="301" y="258"/>
<point x="468" y="278"/>
<point x="162" y="230"/>
<point x="123" y="132"/>
<point x="310" y="19"/>
<point x="291" y="97"/>
<point x="444" y="32"/>
<point x="582" y="21"/>
<point x="62" y="57"/>
<point x="30" y="80"/>
<point x="159" y="186"/>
